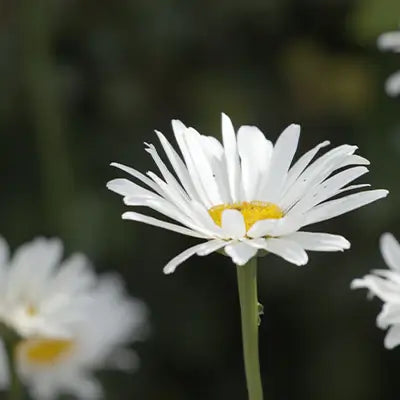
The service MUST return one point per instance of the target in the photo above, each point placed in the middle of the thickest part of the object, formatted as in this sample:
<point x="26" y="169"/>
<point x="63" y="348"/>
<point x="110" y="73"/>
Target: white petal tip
<point x="239" y="262"/>
<point x="178" y="124"/>
<point x="126" y="215"/>
<point x="168" y="270"/>
<point x="292" y="129"/>
<point x="299" y="263"/>
<point x="357" y="284"/>
<point x="381" y="193"/>
<point x="389" y="346"/>
<point x="303" y="260"/>
<point x="380" y="43"/>
<point x="118" y="186"/>
<point x="386" y="236"/>
<point x="346" y="245"/>
<point x="226" y="119"/>
<point x="390" y="343"/>
<point x="391" y="93"/>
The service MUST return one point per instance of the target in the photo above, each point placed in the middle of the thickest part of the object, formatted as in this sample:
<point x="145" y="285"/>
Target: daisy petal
<point x="125" y="187"/>
<point x="333" y="208"/>
<point x="392" y="338"/>
<point x="211" y="247"/>
<point x="390" y="275"/>
<point x="316" y="173"/>
<point x="389" y="315"/>
<point x="319" y="241"/>
<point x="328" y="188"/>
<point x="180" y="135"/>
<point x="392" y="84"/>
<point x="384" y="289"/>
<point x="216" y="156"/>
<point x="287" y="249"/>
<point x="75" y="275"/>
<point x="255" y="153"/>
<point x="389" y="41"/>
<point x="262" y="228"/>
<point x="231" y="157"/>
<point x="282" y="157"/>
<point x="134" y="216"/>
<point x="390" y="249"/>
<point x="276" y="227"/>
<point x="302" y="163"/>
<point x="195" y="221"/>
<point x="169" y="178"/>
<point x="137" y="175"/>
<point x="232" y="222"/>
<point x="182" y="257"/>
<point x="240" y="252"/>
<point x="178" y="165"/>
<point x="353" y="187"/>
<point x="202" y="165"/>
<point x="41" y="254"/>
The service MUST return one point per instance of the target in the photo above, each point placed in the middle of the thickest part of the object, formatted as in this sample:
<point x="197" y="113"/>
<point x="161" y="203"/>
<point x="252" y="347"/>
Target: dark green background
<point x="84" y="83"/>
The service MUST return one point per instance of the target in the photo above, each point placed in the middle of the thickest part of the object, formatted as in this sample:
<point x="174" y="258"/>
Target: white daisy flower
<point x="71" y="322"/>
<point x="385" y="284"/>
<point x="391" y="41"/>
<point x="243" y="196"/>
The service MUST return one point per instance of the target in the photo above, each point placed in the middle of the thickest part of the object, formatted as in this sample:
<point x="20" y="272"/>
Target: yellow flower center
<point x="31" y="310"/>
<point x="252" y="211"/>
<point x="45" y="351"/>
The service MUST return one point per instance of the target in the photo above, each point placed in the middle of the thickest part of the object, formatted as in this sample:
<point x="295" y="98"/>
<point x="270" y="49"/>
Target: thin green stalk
<point x="247" y="284"/>
<point x="15" y="389"/>
<point x="11" y="340"/>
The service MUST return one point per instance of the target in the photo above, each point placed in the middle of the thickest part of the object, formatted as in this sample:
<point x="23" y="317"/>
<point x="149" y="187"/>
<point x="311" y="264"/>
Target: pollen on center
<point x="252" y="211"/>
<point x="44" y="351"/>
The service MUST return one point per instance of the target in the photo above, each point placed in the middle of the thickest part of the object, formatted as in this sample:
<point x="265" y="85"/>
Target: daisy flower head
<point x="244" y="196"/>
<point x="385" y="284"/>
<point x="390" y="41"/>
<point x="70" y="321"/>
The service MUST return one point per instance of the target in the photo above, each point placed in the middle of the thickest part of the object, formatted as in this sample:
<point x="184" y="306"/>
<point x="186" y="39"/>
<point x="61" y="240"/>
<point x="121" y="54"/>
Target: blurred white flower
<point x="391" y="41"/>
<point x="385" y="284"/>
<point x="71" y="321"/>
<point x="242" y="196"/>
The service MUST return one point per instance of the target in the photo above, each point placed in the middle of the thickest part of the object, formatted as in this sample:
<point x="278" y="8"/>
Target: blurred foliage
<point x="84" y="83"/>
<point x="373" y="17"/>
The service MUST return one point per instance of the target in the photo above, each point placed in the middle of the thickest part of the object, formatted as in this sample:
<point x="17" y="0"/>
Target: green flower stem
<point x="247" y="284"/>
<point x="11" y="340"/>
<point x="15" y="388"/>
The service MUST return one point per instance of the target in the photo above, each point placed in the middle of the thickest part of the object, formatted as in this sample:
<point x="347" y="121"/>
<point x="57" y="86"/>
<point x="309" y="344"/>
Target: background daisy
<point x="385" y="284"/>
<point x="390" y="41"/>
<point x="70" y="321"/>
